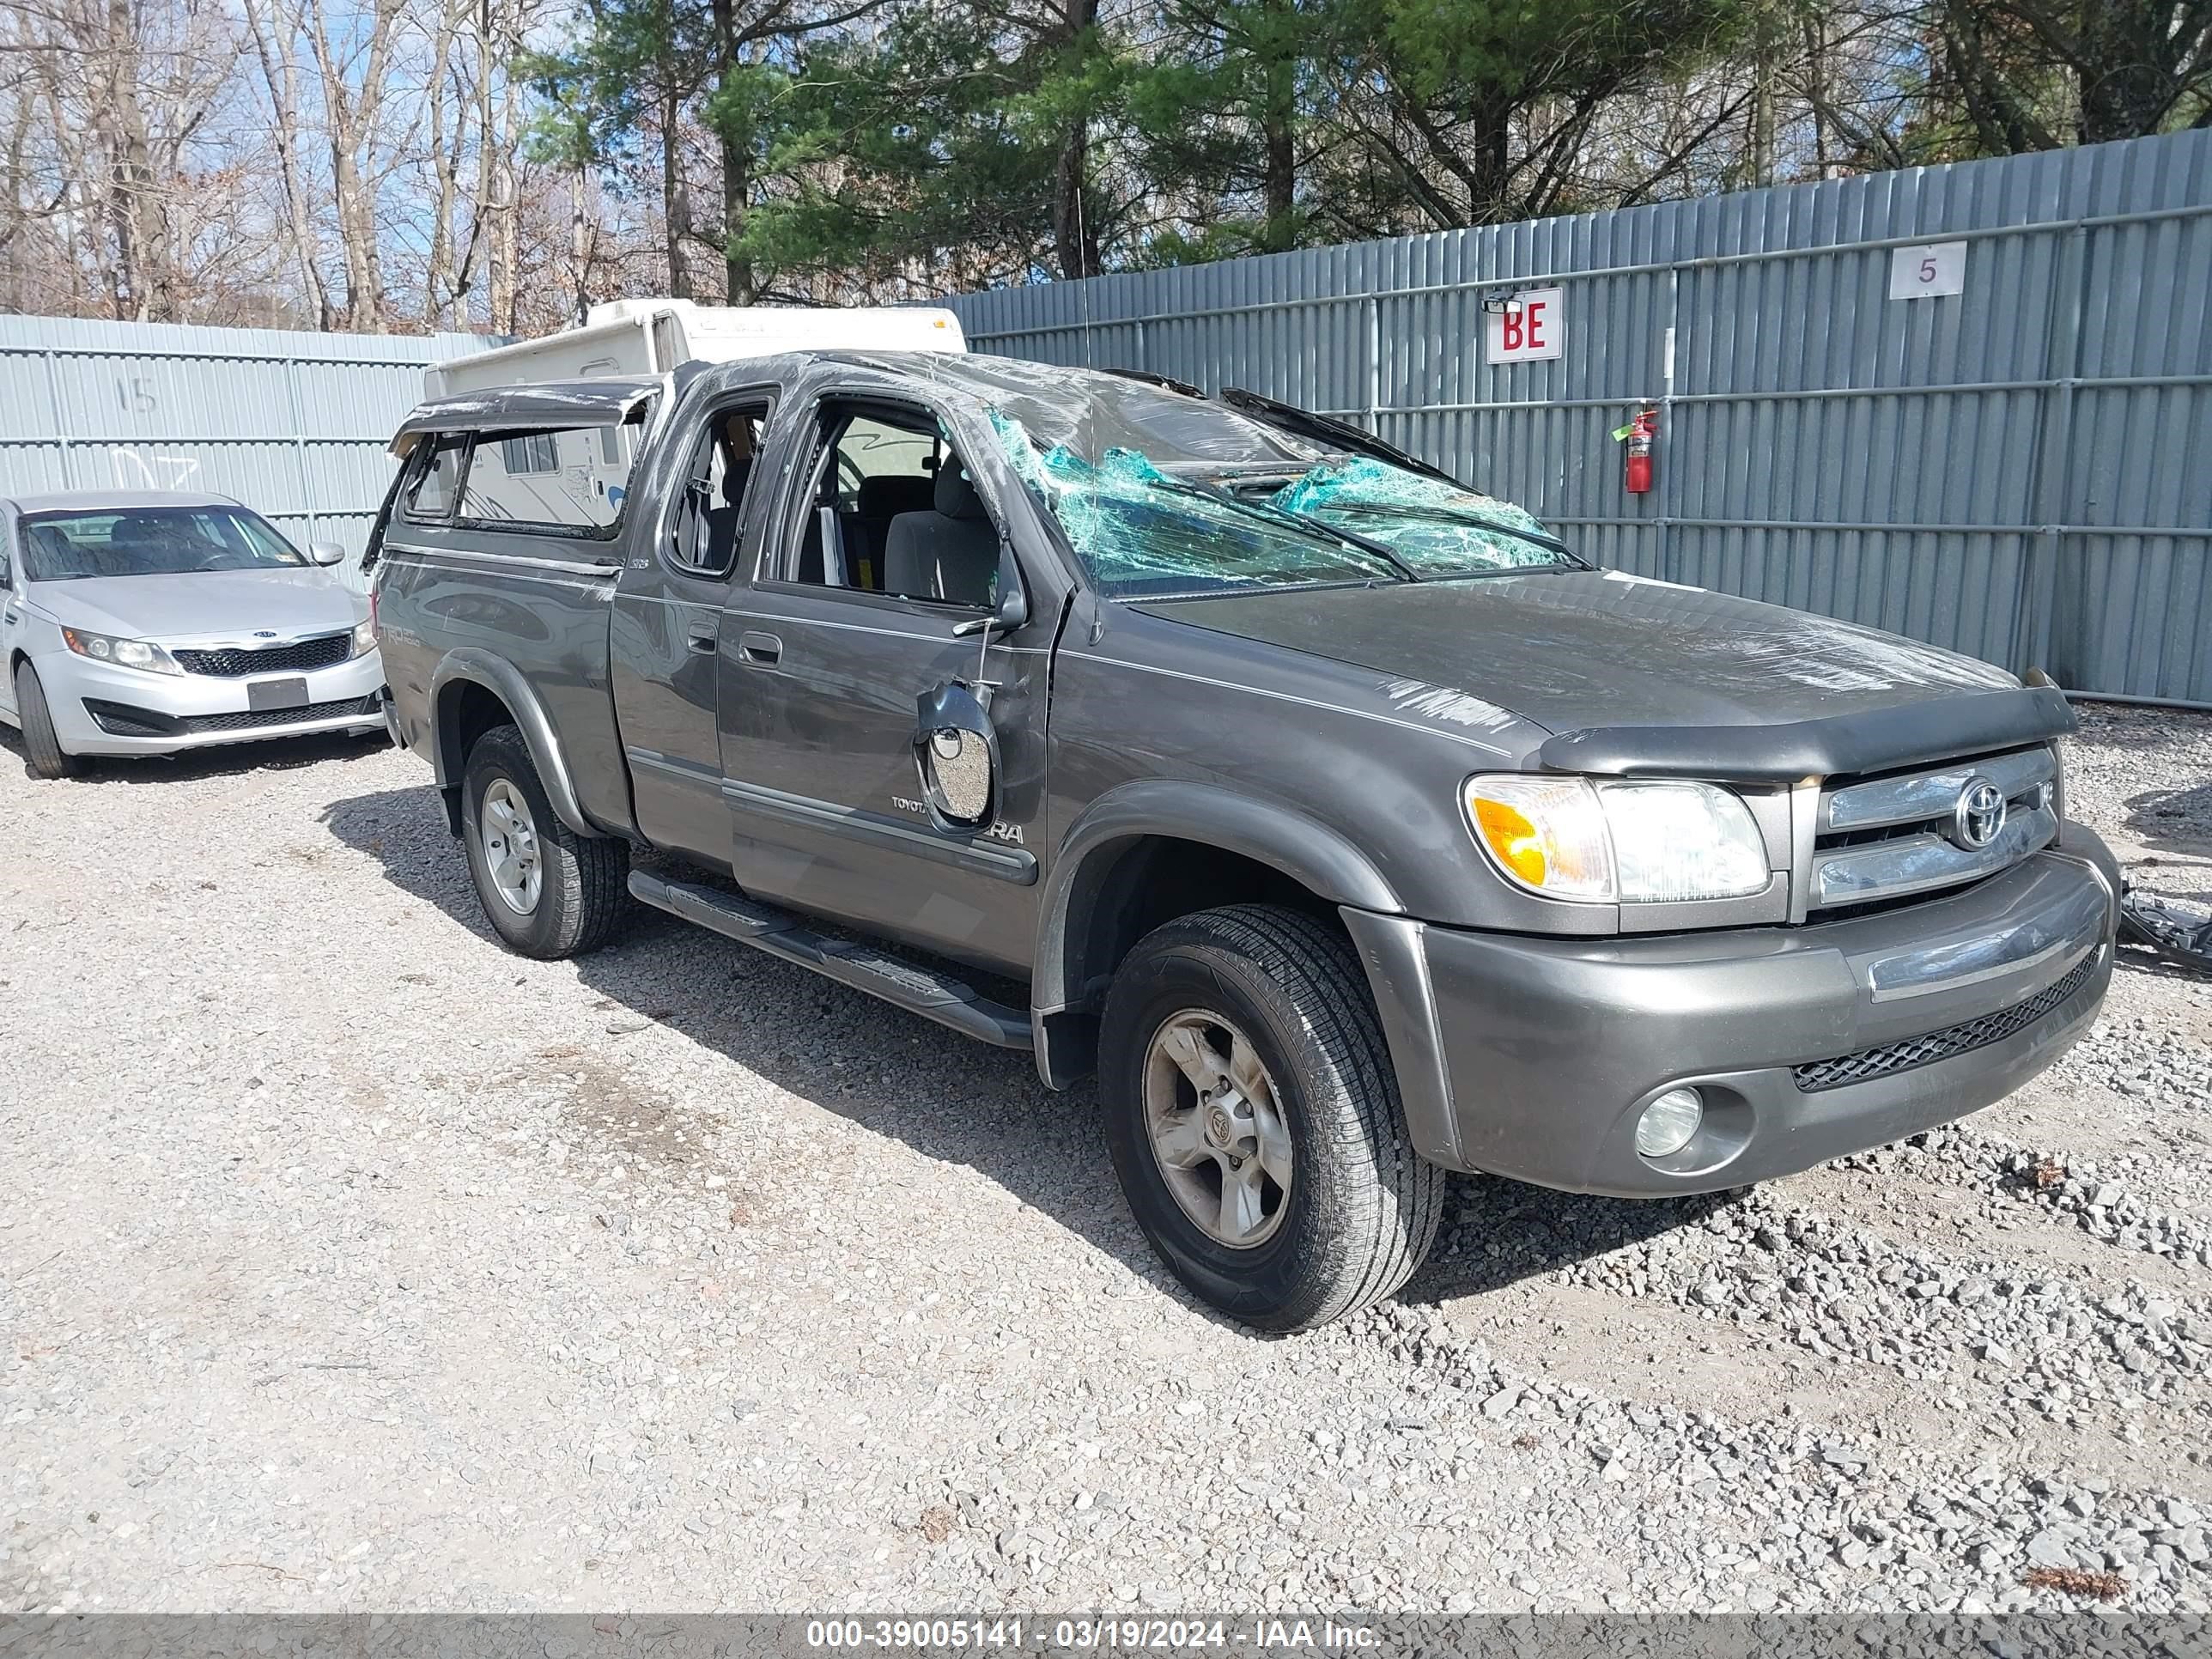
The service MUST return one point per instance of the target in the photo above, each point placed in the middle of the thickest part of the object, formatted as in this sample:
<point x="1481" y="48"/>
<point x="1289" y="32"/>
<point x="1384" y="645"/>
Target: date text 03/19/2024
<point x="1158" y="1635"/>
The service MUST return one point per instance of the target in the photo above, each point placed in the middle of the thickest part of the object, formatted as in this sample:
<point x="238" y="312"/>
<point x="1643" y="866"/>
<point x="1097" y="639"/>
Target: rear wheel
<point x="1255" y="1121"/>
<point x="548" y="891"/>
<point x="43" y="757"/>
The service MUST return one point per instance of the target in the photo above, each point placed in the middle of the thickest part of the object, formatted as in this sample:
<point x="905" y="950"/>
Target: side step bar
<point x="933" y="996"/>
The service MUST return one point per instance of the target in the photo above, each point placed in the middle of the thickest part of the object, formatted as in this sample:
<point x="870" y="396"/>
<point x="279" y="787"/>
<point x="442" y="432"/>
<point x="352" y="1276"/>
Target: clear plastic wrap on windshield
<point x="1122" y="517"/>
<point x="1359" y="492"/>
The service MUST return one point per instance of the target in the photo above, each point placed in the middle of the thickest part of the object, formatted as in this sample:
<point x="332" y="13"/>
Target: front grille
<point x="1952" y="1041"/>
<point x="1886" y="840"/>
<point x="252" y="718"/>
<point x="297" y="657"/>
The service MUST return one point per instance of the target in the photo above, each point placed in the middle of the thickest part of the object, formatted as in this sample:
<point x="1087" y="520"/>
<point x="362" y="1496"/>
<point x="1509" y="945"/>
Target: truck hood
<point x="202" y="604"/>
<point x="1645" y="676"/>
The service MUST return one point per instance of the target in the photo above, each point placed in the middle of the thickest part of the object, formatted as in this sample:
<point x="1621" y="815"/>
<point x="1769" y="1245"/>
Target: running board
<point x="918" y="990"/>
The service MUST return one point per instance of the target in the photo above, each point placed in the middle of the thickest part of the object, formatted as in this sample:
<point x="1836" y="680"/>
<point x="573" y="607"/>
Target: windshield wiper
<point x="1281" y="515"/>
<point x="1449" y="515"/>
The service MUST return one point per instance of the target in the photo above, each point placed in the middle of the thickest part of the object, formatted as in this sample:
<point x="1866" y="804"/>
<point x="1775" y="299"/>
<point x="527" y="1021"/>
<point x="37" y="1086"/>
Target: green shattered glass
<point x="1141" y="530"/>
<point x="1437" y="527"/>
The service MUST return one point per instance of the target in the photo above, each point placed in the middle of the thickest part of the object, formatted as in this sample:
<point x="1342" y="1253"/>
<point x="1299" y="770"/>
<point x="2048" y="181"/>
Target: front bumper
<point x="1808" y="1042"/>
<point x="165" y="714"/>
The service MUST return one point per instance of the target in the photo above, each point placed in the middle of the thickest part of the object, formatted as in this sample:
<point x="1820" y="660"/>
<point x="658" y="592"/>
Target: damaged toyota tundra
<point x="1345" y="824"/>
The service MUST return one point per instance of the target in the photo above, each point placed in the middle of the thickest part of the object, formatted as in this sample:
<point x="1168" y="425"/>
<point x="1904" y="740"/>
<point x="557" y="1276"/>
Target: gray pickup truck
<point x="1345" y="822"/>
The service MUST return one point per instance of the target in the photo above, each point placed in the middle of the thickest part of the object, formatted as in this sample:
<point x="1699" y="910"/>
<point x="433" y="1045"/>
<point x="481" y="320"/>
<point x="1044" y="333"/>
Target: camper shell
<point x="657" y="335"/>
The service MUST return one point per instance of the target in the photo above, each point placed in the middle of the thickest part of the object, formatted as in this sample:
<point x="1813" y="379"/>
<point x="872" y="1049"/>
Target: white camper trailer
<point x="652" y="337"/>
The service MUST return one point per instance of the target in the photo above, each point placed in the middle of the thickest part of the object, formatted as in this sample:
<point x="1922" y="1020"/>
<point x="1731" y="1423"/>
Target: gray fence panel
<point x="2018" y="471"/>
<point x="293" y="424"/>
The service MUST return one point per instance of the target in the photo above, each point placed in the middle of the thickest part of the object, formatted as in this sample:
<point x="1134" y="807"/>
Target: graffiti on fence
<point x="133" y="467"/>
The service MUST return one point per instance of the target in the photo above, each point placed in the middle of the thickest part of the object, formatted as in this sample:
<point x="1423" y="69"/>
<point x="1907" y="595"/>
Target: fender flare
<point x="1316" y="857"/>
<point x="1324" y="862"/>
<point x="472" y="666"/>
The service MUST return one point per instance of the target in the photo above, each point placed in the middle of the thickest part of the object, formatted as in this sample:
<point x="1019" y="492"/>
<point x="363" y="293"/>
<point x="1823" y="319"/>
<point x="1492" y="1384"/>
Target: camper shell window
<point x="436" y="486"/>
<point x="557" y="481"/>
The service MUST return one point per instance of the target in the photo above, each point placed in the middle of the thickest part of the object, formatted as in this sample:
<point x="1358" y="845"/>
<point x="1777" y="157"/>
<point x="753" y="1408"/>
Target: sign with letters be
<point x="1933" y="268"/>
<point x="1531" y="332"/>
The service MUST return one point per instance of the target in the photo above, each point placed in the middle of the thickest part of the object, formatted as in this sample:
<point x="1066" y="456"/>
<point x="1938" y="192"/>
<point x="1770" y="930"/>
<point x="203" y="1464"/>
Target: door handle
<point x="705" y="635"/>
<point x="765" y="649"/>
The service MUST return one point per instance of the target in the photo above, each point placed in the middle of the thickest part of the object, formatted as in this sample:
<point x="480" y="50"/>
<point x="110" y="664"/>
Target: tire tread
<point x="44" y="756"/>
<point x="1386" y="1218"/>
<point x="587" y="880"/>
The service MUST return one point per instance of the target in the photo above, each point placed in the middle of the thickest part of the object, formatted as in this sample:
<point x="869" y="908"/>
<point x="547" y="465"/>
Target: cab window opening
<point x="718" y="480"/>
<point x="891" y="509"/>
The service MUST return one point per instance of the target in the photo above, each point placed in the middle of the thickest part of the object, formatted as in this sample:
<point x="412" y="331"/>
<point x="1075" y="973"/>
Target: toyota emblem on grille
<point x="1979" y="816"/>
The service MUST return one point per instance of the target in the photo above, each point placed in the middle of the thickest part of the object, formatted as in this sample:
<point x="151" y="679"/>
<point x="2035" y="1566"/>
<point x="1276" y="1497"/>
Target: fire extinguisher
<point x="1640" y="432"/>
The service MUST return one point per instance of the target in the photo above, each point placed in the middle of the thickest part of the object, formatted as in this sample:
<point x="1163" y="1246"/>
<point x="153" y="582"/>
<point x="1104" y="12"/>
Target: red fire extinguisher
<point x="1641" y="431"/>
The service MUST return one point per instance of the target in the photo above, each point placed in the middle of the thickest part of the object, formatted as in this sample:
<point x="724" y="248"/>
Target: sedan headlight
<point x="364" y="636"/>
<point x="123" y="653"/>
<point x="1633" y="842"/>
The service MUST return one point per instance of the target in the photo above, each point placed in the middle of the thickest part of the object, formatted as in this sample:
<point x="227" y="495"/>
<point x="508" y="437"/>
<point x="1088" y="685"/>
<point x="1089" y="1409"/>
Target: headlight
<point x="364" y="635"/>
<point x="1638" y="843"/>
<point x="124" y="653"/>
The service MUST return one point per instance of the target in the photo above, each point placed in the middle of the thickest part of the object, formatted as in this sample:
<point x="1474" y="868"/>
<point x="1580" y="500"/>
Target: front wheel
<point x="1255" y="1121"/>
<point x="43" y="755"/>
<point x="548" y="891"/>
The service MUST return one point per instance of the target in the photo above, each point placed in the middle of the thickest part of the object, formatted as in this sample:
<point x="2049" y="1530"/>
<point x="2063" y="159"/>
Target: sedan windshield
<point x="150" y="541"/>
<point x="1157" y="514"/>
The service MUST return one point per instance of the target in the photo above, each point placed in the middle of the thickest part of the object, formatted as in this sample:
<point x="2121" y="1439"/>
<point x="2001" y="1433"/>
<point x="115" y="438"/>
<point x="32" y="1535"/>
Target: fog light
<point x="1668" y="1123"/>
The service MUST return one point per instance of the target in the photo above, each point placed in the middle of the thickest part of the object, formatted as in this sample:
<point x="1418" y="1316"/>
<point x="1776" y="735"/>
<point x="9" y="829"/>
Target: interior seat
<point x="949" y="553"/>
<point x="868" y="530"/>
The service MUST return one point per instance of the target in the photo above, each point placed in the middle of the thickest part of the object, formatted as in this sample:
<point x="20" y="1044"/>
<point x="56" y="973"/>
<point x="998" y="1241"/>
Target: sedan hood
<point x="1648" y="675"/>
<point x="204" y="604"/>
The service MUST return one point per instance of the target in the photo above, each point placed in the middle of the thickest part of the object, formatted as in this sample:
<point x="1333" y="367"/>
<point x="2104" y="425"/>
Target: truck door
<point x="877" y="598"/>
<point x="667" y="636"/>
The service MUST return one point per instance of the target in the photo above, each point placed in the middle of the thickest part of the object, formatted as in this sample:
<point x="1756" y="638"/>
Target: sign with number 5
<point x="1921" y="273"/>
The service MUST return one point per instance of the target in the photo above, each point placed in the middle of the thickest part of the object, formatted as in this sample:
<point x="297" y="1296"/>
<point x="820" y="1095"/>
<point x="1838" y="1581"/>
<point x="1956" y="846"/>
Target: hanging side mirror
<point x="956" y="755"/>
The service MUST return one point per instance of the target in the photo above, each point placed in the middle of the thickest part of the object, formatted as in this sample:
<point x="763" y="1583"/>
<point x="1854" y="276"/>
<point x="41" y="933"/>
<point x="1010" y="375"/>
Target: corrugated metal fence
<point x="293" y="424"/>
<point x="2021" y="470"/>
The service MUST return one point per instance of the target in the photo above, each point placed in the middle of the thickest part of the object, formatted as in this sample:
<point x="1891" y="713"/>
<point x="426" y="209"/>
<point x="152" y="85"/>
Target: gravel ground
<point x="348" y="1262"/>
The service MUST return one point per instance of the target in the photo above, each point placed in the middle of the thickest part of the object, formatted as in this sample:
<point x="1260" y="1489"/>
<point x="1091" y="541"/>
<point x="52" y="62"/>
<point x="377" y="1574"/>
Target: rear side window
<point x="437" y="482"/>
<point x="548" y="480"/>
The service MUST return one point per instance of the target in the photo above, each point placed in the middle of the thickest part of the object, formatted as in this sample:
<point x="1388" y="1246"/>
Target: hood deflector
<point x="1869" y="740"/>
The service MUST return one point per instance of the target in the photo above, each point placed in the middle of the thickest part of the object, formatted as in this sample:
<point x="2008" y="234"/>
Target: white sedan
<point x="146" y="622"/>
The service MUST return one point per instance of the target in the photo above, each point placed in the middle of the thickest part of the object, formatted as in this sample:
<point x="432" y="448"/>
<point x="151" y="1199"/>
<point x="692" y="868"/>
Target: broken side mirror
<point x="956" y="753"/>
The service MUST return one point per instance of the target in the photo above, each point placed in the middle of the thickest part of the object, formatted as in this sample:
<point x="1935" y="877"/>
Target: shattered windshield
<point x="1216" y="502"/>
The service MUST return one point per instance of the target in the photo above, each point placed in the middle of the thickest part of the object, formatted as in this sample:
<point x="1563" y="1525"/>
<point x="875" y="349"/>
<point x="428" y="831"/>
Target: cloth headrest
<point x="893" y="493"/>
<point x="955" y="494"/>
